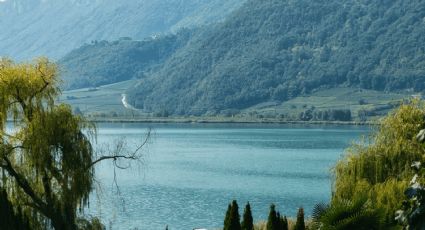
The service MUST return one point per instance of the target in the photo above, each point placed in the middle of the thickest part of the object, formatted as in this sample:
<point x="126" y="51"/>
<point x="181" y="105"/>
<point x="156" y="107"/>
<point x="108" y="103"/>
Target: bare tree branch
<point x="8" y="150"/>
<point x="46" y="84"/>
<point x="117" y="155"/>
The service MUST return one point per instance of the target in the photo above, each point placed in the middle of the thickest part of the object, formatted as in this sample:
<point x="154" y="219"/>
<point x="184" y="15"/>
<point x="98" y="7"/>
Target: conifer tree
<point x="227" y="217"/>
<point x="283" y="223"/>
<point x="278" y="222"/>
<point x="247" y="222"/>
<point x="234" y="220"/>
<point x="300" y="225"/>
<point x="272" y="222"/>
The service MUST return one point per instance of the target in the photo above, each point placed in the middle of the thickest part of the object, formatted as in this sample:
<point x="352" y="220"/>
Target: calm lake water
<point x="190" y="172"/>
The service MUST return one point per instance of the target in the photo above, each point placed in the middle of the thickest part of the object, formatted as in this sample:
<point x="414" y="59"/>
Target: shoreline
<point x="200" y="120"/>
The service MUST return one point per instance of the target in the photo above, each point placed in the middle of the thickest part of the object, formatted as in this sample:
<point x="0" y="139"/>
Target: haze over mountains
<point x="263" y="51"/>
<point x="54" y="27"/>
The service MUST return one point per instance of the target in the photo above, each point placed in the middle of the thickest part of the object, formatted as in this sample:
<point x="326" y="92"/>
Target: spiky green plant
<point x="346" y="215"/>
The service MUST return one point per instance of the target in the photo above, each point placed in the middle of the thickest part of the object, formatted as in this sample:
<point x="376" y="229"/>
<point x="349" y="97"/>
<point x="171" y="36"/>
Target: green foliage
<point x="93" y="224"/>
<point x="325" y="115"/>
<point x="412" y="216"/>
<point x="380" y="168"/>
<point x="247" y="221"/>
<point x="300" y="224"/>
<point x="346" y="215"/>
<point x="275" y="50"/>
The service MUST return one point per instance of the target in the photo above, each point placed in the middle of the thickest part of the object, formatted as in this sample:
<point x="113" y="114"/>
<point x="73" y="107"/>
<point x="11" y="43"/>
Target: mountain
<point x="275" y="50"/>
<point x="104" y="62"/>
<point x="54" y="27"/>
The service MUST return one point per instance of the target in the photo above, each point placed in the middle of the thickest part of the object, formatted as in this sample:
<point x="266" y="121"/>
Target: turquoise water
<point x="190" y="172"/>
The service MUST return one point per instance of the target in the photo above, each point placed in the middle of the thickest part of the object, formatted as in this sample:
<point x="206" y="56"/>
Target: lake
<point x="190" y="172"/>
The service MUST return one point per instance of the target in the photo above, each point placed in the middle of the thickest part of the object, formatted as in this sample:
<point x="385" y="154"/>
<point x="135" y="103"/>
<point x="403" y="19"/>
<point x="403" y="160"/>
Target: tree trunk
<point x="63" y="222"/>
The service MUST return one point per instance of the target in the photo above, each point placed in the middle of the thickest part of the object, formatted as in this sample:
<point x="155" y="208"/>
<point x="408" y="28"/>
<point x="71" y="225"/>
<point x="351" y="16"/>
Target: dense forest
<point x="103" y="62"/>
<point x="54" y="27"/>
<point x="275" y="50"/>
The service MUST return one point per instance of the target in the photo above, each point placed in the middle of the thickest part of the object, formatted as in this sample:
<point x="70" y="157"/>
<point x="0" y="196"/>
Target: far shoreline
<point x="201" y="120"/>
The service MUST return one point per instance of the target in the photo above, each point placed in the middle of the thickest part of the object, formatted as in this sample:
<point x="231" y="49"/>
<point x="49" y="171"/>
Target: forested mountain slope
<point x="275" y="50"/>
<point x="54" y="27"/>
<point x="104" y="62"/>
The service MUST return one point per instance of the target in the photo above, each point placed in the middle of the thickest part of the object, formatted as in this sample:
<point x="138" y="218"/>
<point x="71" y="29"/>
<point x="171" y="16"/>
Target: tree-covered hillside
<point x="54" y="27"/>
<point x="275" y="50"/>
<point x="104" y="62"/>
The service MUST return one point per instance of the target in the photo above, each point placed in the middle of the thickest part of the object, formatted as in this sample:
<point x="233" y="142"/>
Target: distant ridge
<point x="52" y="28"/>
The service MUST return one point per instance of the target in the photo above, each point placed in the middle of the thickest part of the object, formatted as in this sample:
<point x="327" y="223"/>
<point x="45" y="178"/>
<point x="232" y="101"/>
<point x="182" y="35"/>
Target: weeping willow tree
<point x="379" y="168"/>
<point x="46" y="156"/>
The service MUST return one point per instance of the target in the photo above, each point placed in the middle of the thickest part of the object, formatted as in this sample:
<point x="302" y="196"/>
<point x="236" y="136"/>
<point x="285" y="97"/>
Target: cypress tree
<point x="300" y="225"/>
<point x="234" y="220"/>
<point x="284" y="223"/>
<point x="227" y="218"/>
<point x="247" y="222"/>
<point x="278" y="222"/>
<point x="272" y="222"/>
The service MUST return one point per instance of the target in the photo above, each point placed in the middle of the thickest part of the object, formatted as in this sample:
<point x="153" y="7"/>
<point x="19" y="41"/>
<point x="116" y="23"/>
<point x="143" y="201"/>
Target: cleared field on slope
<point x="106" y="101"/>
<point x="101" y="101"/>
<point x="336" y="98"/>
